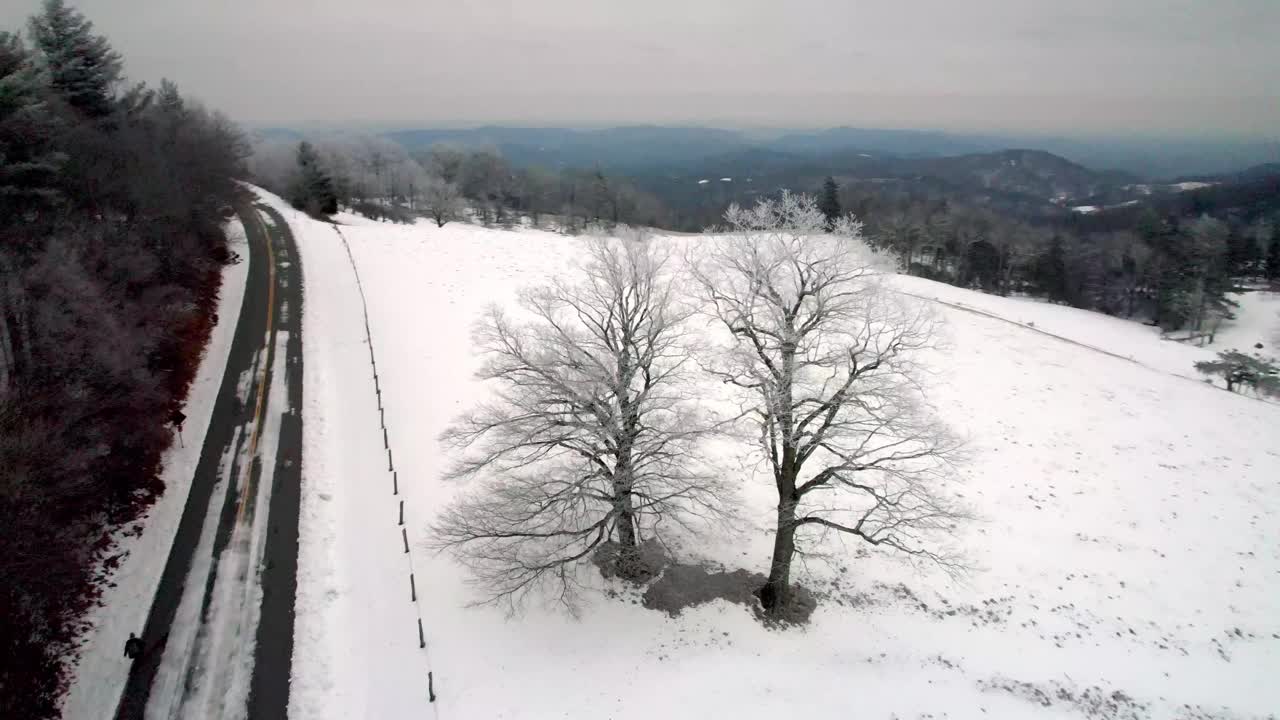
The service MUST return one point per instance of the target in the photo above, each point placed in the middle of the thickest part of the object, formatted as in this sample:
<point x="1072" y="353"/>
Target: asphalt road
<point x="272" y="304"/>
<point x="273" y="654"/>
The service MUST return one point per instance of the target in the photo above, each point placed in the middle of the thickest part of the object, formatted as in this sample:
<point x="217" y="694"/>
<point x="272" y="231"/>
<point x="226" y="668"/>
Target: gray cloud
<point x="1088" y="66"/>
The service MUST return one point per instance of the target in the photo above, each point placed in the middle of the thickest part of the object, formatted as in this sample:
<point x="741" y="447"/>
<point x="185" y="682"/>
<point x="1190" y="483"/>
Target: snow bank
<point x="356" y="648"/>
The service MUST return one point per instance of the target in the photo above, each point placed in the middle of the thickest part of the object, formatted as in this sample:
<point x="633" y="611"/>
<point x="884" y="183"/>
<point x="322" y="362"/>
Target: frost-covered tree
<point x="825" y="357"/>
<point x="591" y="439"/>
<point x="82" y="67"/>
<point x="446" y="162"/>
<point x="442" y="201"/>
<point x="312" y="187"/>
<point x="1210" y="279"/>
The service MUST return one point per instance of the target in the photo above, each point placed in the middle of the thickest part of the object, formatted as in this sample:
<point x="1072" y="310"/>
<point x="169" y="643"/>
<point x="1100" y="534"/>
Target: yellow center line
<point x="268" y="354"/>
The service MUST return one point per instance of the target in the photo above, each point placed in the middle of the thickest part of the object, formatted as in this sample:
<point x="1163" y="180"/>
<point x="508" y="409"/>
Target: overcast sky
<point x="1076" y="66"/>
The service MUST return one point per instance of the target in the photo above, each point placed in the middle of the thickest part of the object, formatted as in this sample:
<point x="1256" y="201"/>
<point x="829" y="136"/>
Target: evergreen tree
<point x="82" y="67"/>
<point x="28" y="161"/>
<point x="312" y="189"/>
<point x="1273" y="259"/>
<point x="1242" y="254"/>
<point x="1206" y="256"/>
<point x="1240" y="370"/>
<point x="829" y="202"/>
<point x="169" y="100"/>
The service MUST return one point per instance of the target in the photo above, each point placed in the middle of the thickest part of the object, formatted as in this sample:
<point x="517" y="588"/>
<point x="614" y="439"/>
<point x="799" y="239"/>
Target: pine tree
<point x="1273" y="259"/>
<point x="312" y="190"/>
<point x="28" y="161"/>
<point x="82" y="67"/>
<point x="169" y="100"/>
<point x="1207" y="259"/>
<point x="829" y="202"/>
<point x="1240" y="370"/>
<point x="1242" y="254"/>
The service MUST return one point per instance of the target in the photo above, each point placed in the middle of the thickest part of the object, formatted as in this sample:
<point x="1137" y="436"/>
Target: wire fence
<point x="395" y="478"/>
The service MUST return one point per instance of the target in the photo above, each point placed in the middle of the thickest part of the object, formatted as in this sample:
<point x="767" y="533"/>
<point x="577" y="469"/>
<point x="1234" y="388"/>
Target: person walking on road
<point x="133" y="647"/>
<point x="177" y="418"/>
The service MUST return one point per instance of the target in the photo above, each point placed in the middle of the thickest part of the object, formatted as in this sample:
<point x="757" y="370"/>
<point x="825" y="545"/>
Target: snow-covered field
<point x="1128" y="563"/>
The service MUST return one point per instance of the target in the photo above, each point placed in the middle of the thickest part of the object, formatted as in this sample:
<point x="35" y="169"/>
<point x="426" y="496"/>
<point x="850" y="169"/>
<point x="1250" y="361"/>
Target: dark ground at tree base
<point x="688" y="585"/>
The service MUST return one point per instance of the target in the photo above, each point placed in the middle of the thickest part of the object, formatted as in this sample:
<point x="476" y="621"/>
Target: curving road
<point x="219" y="634"/>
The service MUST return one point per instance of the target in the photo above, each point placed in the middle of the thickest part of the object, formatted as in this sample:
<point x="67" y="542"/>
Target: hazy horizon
<point x="1092" y="69"/>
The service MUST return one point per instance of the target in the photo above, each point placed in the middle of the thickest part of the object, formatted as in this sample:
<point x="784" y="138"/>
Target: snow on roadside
<point x="356" y="648"/>
<point x="100" y="671"/>
<point x="1102" y="484"/>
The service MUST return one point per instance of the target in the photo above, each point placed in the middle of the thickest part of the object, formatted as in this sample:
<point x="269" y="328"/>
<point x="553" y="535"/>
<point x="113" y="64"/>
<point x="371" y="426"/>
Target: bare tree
<point x="446" y="162"/>
<point x="592" y="439"/>
<point x="442" y="201"/>
<point x="824" y="354"/>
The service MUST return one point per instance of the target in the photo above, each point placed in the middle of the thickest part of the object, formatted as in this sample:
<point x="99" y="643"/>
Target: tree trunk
<point x="629" y="564"/>
<point x="776" y="592"/>
<point x="626" y="523"/>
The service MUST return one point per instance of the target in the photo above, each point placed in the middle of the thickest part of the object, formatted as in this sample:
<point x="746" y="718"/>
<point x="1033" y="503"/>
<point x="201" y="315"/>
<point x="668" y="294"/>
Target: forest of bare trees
<point x="379" y="178"/>
<point x="112" y="201"/>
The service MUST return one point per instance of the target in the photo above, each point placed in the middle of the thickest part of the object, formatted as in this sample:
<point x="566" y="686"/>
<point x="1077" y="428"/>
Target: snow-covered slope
<point x="1257" y="321"/>
<point x="1126" y="549"/>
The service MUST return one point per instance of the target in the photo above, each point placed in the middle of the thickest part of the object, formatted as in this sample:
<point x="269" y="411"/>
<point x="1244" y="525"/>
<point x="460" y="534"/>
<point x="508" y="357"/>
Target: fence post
<point x="422" y="639"/>
<point x="404" y="533"/>
<point x="401" y="513"/>
<point x="431" y="687"/>
<point x="413" y="589"/>
<point x="395" y="483"/>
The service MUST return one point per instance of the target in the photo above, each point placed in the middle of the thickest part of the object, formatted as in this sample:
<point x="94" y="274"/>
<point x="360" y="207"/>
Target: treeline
<point x="112" y="201"/>
<point x="1171" y="262"/>
<point x="1170" y="269"/>
<point x="382" y="179"/>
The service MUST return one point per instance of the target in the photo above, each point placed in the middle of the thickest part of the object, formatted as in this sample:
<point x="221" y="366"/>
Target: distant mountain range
<point x="655" y="147"/>
<point x="697" y="171"/>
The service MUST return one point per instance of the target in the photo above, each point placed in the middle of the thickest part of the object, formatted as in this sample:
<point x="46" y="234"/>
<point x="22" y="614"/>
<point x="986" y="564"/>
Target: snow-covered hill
<point x="1127" y="552"/>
